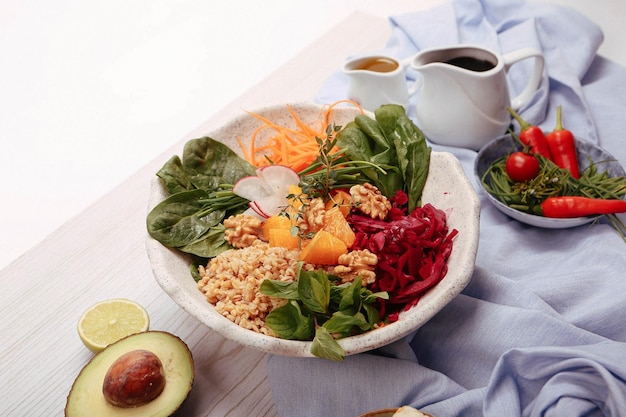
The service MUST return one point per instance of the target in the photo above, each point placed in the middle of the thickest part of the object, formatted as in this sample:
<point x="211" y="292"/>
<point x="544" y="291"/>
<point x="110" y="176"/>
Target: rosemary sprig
<point x="332" y="169"/>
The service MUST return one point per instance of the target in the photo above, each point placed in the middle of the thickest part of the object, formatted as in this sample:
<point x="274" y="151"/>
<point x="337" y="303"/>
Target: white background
<point x="90" y="91"/>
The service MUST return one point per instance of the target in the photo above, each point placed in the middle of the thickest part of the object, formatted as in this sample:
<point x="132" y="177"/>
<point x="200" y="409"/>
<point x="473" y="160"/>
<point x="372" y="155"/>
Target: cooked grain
<point x="231" y="282"/>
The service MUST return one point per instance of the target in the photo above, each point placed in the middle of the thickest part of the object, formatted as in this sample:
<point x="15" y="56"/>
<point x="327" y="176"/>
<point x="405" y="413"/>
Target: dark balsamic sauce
<point x="472" y="64"/>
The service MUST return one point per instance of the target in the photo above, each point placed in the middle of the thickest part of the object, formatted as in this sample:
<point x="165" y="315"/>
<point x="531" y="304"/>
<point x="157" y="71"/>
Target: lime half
<point x="108" y="321"/>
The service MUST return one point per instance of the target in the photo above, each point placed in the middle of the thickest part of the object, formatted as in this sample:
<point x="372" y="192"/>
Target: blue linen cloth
<point x="540" y="330"/>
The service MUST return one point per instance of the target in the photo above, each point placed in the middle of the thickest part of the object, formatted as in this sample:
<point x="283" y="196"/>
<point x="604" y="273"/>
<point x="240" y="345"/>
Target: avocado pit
<point x="134" y="379"/>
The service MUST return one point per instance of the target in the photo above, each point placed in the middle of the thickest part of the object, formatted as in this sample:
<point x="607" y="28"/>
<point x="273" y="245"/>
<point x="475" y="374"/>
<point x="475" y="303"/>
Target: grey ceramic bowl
<point x="506" y="144"/>
<point x="447" y="188"/>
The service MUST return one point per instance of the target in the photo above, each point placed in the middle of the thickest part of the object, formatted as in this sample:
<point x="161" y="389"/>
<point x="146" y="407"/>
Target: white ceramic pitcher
<point x="463" y="93"/>
<point x="376" y="80"/>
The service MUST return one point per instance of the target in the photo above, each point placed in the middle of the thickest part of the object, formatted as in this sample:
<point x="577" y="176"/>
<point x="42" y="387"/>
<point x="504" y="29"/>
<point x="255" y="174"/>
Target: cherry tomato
<point x="522" y="166"/>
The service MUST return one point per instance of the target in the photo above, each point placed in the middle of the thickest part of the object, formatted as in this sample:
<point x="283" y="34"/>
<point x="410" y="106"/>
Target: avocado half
<point x="86" y="397"/>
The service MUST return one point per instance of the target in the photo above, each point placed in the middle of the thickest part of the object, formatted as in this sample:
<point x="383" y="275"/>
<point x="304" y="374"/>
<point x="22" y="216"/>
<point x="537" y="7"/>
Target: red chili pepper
<point x="563" y="147"/>
<point x="532" y="136"/>
<point x="576" y="206"/>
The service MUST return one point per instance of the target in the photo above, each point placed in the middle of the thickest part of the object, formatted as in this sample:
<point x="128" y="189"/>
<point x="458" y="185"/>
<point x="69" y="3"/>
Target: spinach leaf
<point x="379" y="145"/>
<point x="390" y="118"/>
<point x="199" y="198"/>
<point x="411" y="147"/>
<point x="384" y="154"/>
<point x="209" y="245"/>
<point x="210" y="163"/>
<point x="196" y="261"/>
<point x="180" y="219"/>
<point x="394" y="142"/>
<point x="417" y="169"/>
<point x="358" y="147"/>
<point x="363" y="142"/>
<point x="174" y="177"/>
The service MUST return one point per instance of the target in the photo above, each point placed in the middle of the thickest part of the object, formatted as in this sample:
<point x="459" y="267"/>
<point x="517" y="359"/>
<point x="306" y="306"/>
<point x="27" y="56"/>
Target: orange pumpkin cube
<point x="337" y="225"/>
<point x="277" y="221"/>
<point x="340" y="199"/>
<point x="283" y="238"/>
<point x="323" y="249"/>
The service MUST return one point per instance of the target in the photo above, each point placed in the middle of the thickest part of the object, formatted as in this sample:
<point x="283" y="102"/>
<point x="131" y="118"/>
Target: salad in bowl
<point x="309" y="230"/>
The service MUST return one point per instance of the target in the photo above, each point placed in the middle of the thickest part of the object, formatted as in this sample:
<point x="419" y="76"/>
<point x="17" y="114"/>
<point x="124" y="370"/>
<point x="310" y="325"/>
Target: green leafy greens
<point x="201" y="197"/>
<point x="394" y="143"/>
<point x="320" y="309"/>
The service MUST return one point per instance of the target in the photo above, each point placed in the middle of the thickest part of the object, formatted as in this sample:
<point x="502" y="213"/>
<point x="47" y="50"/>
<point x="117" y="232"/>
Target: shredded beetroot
<point x="412" y="249"/>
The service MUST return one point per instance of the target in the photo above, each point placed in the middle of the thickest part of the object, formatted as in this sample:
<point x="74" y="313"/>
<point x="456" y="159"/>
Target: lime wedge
<point x="108" y="321"/>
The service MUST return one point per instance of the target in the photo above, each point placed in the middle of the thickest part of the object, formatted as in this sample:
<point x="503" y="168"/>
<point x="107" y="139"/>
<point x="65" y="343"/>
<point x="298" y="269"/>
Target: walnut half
<point x="370" y="201"/>
<point x="355" y="263"/>
<point x="312" y="216"/>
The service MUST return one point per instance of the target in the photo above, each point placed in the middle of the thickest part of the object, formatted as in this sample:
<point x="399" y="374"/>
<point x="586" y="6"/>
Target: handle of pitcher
<point x="414" y="86"/>
<point x="535" y="77"/>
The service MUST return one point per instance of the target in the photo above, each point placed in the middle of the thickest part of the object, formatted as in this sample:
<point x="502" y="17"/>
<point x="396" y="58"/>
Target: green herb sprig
<point x="332" y="169"/>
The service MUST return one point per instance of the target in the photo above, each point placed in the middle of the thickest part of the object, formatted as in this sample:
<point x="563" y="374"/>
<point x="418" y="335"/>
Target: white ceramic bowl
<point x="447" y="188"/>
<point x="585" y="150"/>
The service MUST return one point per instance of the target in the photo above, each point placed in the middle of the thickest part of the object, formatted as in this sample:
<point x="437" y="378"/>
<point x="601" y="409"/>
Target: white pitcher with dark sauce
<point x="463" y="93"/>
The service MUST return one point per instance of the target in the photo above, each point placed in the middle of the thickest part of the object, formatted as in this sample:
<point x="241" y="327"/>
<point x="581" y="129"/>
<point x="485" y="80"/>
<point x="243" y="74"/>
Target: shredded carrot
<point x="294" y="147"/>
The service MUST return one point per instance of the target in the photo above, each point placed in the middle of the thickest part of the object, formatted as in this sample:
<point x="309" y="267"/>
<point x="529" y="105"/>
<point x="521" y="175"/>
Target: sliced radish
<point x="251" y="188"/>
<point x="270" y="205"/>
<point x="257" y="210"/>
<point x="268" y="190"/>
<point x="252" y="212"/>
<point x="278" y="177"/>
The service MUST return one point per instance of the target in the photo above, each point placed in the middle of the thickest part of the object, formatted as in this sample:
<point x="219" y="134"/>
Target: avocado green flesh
<point x="86" y="396"/>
